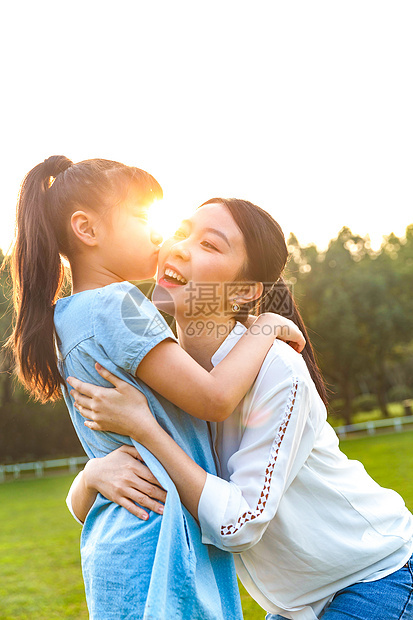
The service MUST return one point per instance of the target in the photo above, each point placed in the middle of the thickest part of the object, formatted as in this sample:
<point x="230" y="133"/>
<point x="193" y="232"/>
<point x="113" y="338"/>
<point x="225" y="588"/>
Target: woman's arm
<point x="101" y="406"/>
<point x="121" y="477"/>
<point x="277" y="439"/>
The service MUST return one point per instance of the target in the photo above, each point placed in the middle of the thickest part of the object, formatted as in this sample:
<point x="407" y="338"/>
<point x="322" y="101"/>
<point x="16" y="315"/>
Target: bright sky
<point x="304" y="108"/>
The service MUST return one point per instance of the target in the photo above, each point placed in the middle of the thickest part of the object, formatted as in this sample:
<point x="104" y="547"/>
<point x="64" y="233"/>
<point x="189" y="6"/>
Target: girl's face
<point x="199" y="264"/>
<point x="132" y="246"/>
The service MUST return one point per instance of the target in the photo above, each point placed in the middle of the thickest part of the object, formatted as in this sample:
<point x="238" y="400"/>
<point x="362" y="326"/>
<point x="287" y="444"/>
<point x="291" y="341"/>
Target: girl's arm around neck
<point x="214" y="395"/>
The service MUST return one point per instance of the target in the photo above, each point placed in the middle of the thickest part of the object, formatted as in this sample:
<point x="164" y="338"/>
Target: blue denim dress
<point x="155" y="569"/>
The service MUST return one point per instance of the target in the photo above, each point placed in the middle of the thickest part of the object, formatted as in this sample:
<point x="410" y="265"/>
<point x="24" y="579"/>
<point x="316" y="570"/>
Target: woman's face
<point x="199" y="264"/>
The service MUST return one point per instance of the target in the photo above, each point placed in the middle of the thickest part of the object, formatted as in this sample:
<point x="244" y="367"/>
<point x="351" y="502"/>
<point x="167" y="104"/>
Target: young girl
<point x="314" y="535"/>
<point x="94" y="213"/>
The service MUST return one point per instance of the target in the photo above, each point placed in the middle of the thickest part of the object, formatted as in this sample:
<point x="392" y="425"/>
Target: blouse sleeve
<point x="277" y="440"/>
<point x="127" y="325"/>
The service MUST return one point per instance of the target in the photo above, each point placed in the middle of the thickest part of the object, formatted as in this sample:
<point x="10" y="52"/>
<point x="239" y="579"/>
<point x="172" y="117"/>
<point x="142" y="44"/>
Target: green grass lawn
<point x="40" y="575"/>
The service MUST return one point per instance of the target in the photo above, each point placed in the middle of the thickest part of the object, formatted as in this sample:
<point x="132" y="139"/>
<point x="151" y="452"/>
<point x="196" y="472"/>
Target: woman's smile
<point x="171" y="277"/>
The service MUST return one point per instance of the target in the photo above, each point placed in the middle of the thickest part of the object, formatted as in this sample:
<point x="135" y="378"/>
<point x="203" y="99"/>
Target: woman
<point x="314" y="535"/>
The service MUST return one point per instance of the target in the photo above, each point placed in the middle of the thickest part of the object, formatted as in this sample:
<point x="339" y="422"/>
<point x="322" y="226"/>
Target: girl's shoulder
<point x="119" y="299"/>
<point x="124" y="295"/>
<point x="116" y="321"/>
<point x="125" y="307"/>
<point x="127" y="325"/>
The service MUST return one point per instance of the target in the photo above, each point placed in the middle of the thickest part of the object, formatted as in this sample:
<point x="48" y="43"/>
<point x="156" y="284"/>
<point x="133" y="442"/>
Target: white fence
<point x="38" y="468"/>
<point x="396" y="424"/>
<point x="74" y="463"/>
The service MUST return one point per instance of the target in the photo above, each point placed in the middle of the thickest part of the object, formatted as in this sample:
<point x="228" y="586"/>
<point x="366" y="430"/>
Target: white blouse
<point x="302" y="520"/>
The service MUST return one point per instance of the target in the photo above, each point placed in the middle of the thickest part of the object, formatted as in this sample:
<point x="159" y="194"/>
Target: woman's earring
<point x="235" y="306"/>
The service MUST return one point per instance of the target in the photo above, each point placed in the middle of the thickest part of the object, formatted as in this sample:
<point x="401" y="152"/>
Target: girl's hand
<point x="122" y="409"/>
<point x="284" y="329"/>
<point x="123" y="478"/>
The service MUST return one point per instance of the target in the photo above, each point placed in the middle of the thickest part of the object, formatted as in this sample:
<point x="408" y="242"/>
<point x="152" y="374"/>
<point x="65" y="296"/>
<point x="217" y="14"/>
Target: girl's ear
<point x="84" y="227"/>
<point x="249" y="291"/>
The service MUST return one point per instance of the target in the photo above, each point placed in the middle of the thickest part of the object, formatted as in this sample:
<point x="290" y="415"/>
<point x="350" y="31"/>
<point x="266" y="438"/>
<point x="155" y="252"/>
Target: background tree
<point x="357" y="304"/>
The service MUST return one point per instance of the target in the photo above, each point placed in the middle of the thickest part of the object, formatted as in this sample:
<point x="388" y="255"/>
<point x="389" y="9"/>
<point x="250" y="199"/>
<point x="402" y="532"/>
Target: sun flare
<point x="165" y="217"/>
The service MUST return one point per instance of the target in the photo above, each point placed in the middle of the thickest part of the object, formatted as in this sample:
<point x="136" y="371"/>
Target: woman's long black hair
<point x="267" y="256"/>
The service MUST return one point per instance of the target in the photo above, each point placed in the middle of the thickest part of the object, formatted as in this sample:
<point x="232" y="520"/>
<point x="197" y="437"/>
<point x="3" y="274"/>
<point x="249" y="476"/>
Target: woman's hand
<point x="284" y="329"/>
<point x="123" y="478"/>
<point x="122" y="409"/>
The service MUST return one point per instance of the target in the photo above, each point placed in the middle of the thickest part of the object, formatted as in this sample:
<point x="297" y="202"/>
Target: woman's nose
<point x="156" y="237"/>
<point x="179" y="250"/>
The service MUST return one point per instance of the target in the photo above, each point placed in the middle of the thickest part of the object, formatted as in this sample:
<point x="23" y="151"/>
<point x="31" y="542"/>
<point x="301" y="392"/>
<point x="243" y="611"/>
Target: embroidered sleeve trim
<point x="275" y="448"/>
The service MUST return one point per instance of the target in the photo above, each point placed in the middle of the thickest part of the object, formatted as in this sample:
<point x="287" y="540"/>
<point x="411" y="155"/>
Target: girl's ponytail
<point x="37" y="273"/>
<point x="277" y="298"/>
